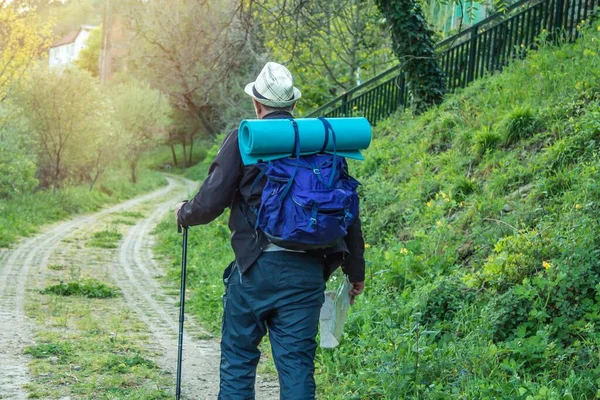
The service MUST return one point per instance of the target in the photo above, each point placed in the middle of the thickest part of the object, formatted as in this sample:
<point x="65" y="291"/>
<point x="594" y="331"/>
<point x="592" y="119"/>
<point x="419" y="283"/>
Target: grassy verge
<point x="23" y="216"/>
<point x="480" y="216"/>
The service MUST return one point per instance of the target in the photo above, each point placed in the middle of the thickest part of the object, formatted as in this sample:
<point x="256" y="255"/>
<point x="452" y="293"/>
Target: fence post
<point x="472" y="54"/>
<point x="344" y="104"/>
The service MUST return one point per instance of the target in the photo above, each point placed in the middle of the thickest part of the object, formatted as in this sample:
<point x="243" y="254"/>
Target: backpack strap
<point x="263" y="172"/>
<point x="328" y="128"/>
<point x="287" y="187"/>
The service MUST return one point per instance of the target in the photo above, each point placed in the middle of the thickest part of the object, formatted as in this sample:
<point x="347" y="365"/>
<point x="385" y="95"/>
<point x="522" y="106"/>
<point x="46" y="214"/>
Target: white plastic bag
<point x="334" y="313"/>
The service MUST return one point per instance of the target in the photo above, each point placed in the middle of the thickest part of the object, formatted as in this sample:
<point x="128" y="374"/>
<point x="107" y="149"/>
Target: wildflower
<point x="577" y="206"/>
<point x="429" y="203"/>
<point x="546" y="265"/>
<point x="440" y="223"/>
<point x="404" y="250"/>
<point x="367" y="245"/>
<point x="444" y="195"/>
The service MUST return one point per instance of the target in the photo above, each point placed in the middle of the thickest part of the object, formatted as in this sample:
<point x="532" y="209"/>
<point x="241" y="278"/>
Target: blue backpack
<point x="308" y="201"/>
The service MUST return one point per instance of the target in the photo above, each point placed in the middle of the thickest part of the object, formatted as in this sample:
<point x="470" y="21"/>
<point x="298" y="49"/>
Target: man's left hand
<point x="357" y="288"/>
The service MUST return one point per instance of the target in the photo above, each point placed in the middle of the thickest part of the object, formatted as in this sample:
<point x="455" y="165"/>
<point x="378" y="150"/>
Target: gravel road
<point x="134" y="270"/>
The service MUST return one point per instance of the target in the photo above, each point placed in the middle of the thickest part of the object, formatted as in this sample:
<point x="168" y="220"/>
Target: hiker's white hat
<point x="274" y="87"/>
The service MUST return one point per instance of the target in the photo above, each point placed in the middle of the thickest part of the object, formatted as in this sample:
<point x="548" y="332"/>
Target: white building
<point x="66" y="50"/>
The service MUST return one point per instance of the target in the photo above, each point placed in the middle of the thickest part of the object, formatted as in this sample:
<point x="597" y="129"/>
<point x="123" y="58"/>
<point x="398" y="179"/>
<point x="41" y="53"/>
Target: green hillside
<point x="481" y="218"/>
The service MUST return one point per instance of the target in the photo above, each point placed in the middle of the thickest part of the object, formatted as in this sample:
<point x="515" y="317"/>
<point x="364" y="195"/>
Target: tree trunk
<point x="56" y="179"/>
<point x="183" y="145"/>
<point x="356" y="32"/>
<point x="174" y="154"/>
<point x="94" y="180"/>
<point x="133" y="166"/>
<point x="413" y="45"/>
<point x="191" y="149"/>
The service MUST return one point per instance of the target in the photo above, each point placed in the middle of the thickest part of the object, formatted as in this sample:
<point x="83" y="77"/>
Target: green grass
<point x="24" y="215"/>
<point x="105" y="239"/>
<point x="92" y="289"/>
<point x="131" y="214"/>
<point x="481" y="221"/>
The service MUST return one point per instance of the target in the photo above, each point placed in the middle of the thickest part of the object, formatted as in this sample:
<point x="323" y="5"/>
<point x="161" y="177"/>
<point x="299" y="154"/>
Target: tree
<point x="89" y="57"/>
<point x="67" y="15"/>
<point x="142" y="115"/>
<point x="68" y="116"/>
<point x="413" y="45"/>
<point x="23" y="38"/>
<point x="191" y="50"/>
<point x="17" y="161"/>
<point x="330" y="46"/>
<point x="327" y="42"/>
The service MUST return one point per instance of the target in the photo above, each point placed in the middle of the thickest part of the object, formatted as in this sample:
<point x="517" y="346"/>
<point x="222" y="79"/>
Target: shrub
<point x="462" y="188"/>
<point x="485" y="140"/>
<point x="521" y="123"/>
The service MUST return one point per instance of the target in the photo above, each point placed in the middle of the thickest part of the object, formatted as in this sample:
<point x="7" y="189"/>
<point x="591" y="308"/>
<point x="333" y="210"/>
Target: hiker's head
<point x="273" y="90"/>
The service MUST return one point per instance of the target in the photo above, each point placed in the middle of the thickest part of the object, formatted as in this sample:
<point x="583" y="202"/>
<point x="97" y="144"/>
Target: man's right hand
<point x="177" y="208"/>
<point x="357" y="288"/>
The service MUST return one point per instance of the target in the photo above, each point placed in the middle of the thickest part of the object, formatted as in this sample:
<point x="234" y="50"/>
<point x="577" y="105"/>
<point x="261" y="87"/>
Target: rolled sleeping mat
<point x="262" y="140"/>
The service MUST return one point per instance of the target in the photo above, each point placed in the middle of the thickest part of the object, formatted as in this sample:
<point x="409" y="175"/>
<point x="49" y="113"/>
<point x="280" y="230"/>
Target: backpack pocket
<point x="321" y="217"/>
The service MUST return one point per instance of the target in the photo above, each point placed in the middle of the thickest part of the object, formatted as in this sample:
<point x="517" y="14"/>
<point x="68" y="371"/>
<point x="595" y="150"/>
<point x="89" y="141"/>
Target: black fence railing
<point x="484" y="47"/>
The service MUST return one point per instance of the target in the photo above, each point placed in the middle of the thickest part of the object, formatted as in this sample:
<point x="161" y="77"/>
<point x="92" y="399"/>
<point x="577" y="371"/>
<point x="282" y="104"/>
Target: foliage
<point x="89" y="57"/>
<point x="90" y="288"/>
<point x="413" y="45"/>
<point x="195" y="52"/>
<point x="482" y="262"/>
<point x="68" y="15"/>
<point x="71" y="132"/>
<point x="142" y="116"/>
<point x="23" y="37"/>
<point x="329" y="46"/>
<point x="17" y="163"/>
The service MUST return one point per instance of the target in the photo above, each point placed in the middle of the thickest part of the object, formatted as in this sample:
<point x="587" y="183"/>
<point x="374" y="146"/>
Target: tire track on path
<point x="28" y="257"/>
<point x="136" y="276"/>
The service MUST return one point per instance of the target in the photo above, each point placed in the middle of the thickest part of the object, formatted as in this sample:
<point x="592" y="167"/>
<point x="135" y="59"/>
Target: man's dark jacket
<point x="229" y="184"/>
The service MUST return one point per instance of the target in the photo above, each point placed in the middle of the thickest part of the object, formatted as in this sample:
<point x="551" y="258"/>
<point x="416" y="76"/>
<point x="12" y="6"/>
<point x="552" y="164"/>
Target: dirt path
<point x="133" y="269"/>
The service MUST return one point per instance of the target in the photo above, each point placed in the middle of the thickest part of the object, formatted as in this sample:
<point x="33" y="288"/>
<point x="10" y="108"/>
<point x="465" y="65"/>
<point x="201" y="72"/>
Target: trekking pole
<point x="181" y="306"/>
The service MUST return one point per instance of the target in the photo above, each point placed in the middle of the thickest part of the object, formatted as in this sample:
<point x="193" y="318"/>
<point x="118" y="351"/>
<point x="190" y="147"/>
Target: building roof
<point x="71" y="36"/>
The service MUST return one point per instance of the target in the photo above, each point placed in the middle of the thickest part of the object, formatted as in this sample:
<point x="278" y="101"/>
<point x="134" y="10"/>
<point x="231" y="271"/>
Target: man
<point x="268" y="288"/>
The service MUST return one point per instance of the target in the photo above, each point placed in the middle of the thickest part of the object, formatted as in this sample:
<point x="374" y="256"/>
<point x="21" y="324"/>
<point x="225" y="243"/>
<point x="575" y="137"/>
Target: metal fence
<point x="484" y="47"/>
